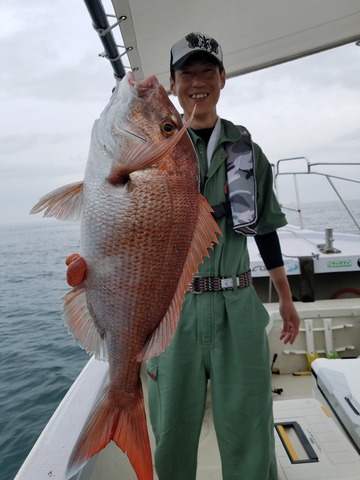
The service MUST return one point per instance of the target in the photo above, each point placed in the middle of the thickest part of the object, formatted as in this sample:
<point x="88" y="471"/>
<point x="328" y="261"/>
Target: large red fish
<point x="144" y="230"/>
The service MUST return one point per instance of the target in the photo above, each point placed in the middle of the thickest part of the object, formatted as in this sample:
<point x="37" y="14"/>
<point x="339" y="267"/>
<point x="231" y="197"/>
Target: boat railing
<point x="281" y="168"/>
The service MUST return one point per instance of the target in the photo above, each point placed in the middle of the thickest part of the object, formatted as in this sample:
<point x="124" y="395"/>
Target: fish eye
<point x="168" y="127"/>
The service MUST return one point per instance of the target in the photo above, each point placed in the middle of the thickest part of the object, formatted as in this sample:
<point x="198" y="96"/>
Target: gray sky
<point x="53" y="86"/>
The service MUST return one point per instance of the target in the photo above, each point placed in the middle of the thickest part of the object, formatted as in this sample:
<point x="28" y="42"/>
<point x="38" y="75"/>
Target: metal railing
<point x="308" y="170"/>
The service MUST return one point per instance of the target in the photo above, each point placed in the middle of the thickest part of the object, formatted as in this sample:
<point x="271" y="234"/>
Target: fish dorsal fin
<point x="64" y="203"/>
<point x="205" y="235"/>
<point x="81" y="324"/>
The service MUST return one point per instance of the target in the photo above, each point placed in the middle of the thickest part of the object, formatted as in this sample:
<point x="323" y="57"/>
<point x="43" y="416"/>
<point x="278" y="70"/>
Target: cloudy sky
<point x="53" y="86"/>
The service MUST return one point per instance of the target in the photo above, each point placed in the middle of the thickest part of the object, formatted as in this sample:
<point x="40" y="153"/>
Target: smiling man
<point x="221" y="335"/>
<point x="197" y="78"/>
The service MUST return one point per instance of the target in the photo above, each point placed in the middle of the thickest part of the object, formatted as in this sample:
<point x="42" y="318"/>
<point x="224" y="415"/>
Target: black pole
<point x="101" y="23"/>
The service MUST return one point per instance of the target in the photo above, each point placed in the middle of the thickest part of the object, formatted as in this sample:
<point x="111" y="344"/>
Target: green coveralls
<point x="221" y="337"/>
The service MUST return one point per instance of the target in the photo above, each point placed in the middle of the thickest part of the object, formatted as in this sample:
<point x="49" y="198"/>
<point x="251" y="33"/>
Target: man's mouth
<point x="198" y="96"/>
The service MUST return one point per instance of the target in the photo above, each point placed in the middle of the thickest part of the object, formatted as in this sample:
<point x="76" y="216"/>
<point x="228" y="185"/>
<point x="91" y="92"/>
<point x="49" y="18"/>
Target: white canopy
<point x="254" y="34"/>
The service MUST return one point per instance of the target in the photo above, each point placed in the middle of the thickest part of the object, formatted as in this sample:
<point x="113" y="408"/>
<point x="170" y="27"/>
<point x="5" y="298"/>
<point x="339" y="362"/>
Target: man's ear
<point x="222" y="78"/>
<point x="172" y="86"/>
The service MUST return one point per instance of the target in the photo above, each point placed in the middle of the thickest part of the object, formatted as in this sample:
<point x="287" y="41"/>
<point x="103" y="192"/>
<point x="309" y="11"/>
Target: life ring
<point x="342" y="291"/>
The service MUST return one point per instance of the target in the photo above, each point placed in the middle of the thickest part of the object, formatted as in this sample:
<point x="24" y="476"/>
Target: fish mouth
<point x="137" y="89"/>
<point x="131" y="79"/>
<point x="143" y="86"/>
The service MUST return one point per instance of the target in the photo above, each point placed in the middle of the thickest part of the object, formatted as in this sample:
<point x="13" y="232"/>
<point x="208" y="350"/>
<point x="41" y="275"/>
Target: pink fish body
<point x="144" y="230"/>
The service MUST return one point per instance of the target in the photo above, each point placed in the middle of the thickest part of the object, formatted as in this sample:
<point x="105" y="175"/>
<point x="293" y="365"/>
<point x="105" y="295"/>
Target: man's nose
<point x="198" y="78"/>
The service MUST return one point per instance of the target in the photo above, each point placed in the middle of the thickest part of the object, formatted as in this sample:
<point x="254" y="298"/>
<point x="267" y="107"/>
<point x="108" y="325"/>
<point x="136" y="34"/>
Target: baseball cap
<point x="193" y="43"/>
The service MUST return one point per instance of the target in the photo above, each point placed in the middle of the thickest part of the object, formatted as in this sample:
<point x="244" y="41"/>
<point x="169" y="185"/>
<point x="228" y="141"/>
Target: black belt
<point x="219" y="284"/>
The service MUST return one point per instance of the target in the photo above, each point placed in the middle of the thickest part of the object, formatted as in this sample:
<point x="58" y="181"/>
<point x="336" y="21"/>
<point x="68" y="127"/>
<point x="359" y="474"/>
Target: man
<point x="221" y="335"/>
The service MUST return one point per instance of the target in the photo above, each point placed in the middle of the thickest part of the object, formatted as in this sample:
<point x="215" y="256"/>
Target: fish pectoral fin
<point x="81" y="324"/>
<point x="144" y="155"/>
<point x="205" y="235"/>
<point x="64" y="203"/>
<point x="125" y="425"/>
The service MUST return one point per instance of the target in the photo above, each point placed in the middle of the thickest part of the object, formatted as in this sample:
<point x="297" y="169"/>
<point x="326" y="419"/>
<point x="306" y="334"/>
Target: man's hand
<point x="291" y="319"/>
<point x="291" y="322"/>
<point x="76" y="269"/>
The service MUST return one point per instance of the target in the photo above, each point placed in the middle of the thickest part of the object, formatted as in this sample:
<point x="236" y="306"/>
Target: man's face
<point x="199" y="83"/>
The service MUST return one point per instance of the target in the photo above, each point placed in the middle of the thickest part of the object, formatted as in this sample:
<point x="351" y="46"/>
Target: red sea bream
<point x="144" y="229"/>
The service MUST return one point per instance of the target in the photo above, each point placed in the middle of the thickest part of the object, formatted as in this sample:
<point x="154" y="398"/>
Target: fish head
<point x="137" y="112"/>
<point x="137" y="120"/>
<point x="154" y="113"/>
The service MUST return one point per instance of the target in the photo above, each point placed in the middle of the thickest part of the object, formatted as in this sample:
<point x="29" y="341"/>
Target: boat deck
<point x="297" y="403"/>
<point x="209" y="463"/>
<point x="293" y="386"/>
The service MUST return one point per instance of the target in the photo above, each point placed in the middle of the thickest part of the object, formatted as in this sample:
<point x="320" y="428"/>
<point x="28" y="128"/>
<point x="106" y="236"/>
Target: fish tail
<point x="125" y="425"/>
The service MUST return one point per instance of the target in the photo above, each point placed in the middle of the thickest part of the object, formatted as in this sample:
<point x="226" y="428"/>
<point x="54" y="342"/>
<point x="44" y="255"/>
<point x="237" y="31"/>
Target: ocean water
<point x="39" y="360"/>
<point x="321" y="215"/>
